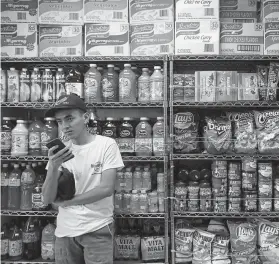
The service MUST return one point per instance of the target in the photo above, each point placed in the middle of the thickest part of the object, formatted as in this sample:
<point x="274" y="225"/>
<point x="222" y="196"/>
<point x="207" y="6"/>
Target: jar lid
<point x="20" y="121"/>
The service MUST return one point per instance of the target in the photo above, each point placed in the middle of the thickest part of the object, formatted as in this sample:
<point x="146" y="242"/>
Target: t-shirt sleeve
<point x="112" y="158"/>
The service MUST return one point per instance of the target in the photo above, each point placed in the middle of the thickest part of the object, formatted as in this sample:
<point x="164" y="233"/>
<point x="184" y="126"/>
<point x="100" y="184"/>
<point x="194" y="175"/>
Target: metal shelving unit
<point x="29" y="213"/>
<point x="223" y="57"/>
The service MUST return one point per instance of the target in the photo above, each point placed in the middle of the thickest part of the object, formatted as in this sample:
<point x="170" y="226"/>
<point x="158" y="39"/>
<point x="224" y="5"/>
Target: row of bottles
<point x="28" y="241"/>
<point x="97" y="85"/>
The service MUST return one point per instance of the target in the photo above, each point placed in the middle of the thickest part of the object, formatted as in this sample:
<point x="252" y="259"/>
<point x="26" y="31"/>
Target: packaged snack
<point x="226" y="83"/>
<point x="267" y="124"/>
<point x="271" y="35"/>
<point x="270" y="10"/>
<point x="273" y="81"/>
<point x="262" y="81"/>
<point x="153" y="248"/>
<point x="217" y="135"/>
<point x="186" y="132"/>
<point x="205" y="87"/>
<point x="189" y="87"/>
<point x="220" y="204"/>
<point x="183" y="244"/>
<point x="220" y="247"/>
<point x="247" y="87"/>
<point x="127" y="247"/>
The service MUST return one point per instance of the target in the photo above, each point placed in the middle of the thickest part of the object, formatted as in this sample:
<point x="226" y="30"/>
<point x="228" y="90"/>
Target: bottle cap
<point x="127" y="65"/>
<point x="143" y="191"/>
<point x="93" y="65"/>
<point x="12" y="69"/>
<point x="49" y="119"/>
<point x="60" y="69"/>
<point x="7" y="118"/>
<point x="145" y="69"/>
<point x="160" y="118"/>
<point x="110" y="66"/>
<point x="109" y="118"/>
<point x="127" y="118"/>
<point x="5" y="165"/>
<point x="134" y="191"/>
<point x="16" y="166"/>
<point x="20" y="121"/>
<point x="24" y="69"/>
<point x="36" y="69"/>
<point x="144" y="119"/>
<point x="157" y="67"/>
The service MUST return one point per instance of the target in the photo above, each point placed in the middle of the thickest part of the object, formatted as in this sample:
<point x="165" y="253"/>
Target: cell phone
<point x="60" y="144"/>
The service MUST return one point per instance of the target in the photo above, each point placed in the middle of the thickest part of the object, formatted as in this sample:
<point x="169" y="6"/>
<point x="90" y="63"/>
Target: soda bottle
<point x="143" y="202"/>
<point x="60" y="83"/>
<point x="4" y="242"/>
<point x="137" y="179"/>
<point x="24" y="86"/>
<point x="35" y="130"/>
<point x="49" y="132"/>
<point x="13" y="85"/>
<point x="126" y="203"/>
<point x="146" y="179"/>
<point x="126" y="140"/>
<point x="48" y="241"/>
<point x="31" y="240"/>
<point x="27" y="182"/>
<point x="15" y="244"/>
<point x="110" y="85"/>
<point x="157" y="85"/>
<point x="4" y="88"/>
<point x="92" y="85"/>
<point x="128" y="177"/>
<point x="158" y="137"/>
<point x="36" y="86"/>
<point x="120" y="183"/>
<point x="14" y="188"/>
<point x="4" y="186"/>
<point x="143" y="139"/>
<point x="109" y="129"/>
<point x="127" y="85"/>
<point x="144" y="86"/>
<point x="74" y="83"/>
<point x="6" y="136"/>
<point x="20" y="139"/>
<point x="118" y="202"/>
<point x="48" y="89"/>
<point x="134" y="206"/>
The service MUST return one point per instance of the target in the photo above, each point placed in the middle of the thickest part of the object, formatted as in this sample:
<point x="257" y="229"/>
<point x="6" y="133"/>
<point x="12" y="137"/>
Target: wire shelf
<point x="223" y="57"/>
<point x="36" y="261"/>
<point x="145" y="215"/>
<point x="29" y="213"/>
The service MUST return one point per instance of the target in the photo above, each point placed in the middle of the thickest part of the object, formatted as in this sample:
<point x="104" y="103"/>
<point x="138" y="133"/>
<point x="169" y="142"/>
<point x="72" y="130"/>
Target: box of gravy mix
<point x="20" y="11"/>
<point x="108" y="39"/>
<point x="270" y="11"/>
<point x="19" y="40"/>
<point x="60" y="41"/>
<point x="271" y="38"/>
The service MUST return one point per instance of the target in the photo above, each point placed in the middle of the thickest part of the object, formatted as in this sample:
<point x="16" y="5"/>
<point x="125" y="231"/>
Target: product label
<point x="13" y="88"/>
<point x="143" y="144"/>
<point x="35" y="90"/>
<point x="125" y="88"/>
<point x="108" y="90"/>
<point x="48" y="250"/>
<point x="158" y="145"/>
<point x="6" y="141"/>
<point x="271" y="37"/>
<point x="143" y="91"/>
<point x="4" y="181"/>
<point x="48" y="90"/>
<point x="91" y="87"/>
<point x="37" y="201"/>
<point x="34" y="140"/>
<point x="19" y="144"/>
<point x="15" y="248"/>
<point x="26" y="177"/>
<point x="14" y="182"/>
<point x="4" y="246"/>
<point x="126" y="145"/>
<point x="153" y="248"/>
<point x="29" y="237"/>
<point x="76" y="88"/>
<point x="156" y="91"/>
<point x="25" y="91"/>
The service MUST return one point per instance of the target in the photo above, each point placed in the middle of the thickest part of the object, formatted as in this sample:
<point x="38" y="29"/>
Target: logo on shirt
<point x="97" y="167"/>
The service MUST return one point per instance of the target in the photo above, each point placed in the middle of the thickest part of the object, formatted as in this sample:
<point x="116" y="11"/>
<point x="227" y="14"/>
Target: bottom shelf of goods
<point x="41" y="261"/>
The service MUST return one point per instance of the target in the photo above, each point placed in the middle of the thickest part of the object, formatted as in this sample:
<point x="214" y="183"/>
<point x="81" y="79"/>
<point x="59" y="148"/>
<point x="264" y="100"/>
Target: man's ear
<point x="86" y="117"/>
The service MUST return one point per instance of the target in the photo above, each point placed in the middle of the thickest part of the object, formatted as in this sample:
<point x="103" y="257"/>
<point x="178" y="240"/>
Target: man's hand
<point x="61" y="156"/>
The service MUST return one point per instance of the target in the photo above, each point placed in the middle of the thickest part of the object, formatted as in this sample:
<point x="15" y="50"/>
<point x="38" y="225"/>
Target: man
<point x="84" y="223"/>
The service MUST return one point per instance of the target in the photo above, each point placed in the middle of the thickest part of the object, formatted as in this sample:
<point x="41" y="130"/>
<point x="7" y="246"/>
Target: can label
<point x="6" y="141"/>
<point x="15" y="248"/>
<point x="34" y="140"/>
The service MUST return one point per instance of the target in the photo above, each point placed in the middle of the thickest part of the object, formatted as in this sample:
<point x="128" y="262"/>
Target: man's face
<point x="71" y="122"/>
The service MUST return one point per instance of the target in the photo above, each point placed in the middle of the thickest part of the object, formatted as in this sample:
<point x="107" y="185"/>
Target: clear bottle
<point x="126" y="140"/>
<point x="161" y="202"/>
<point x="60" y="81"/>
<point x="118" y="202"/>
<point x="6" y="136"/>
<point x="143" y="202"/>
<point x="4" y="242"/>
<point x="128" y="176"/>
<point x="146" y="179"/>
<point x="101" y="70"/>
<point x="48" y="242"/>
<point x="14" y="188"/>
<point x="49" y="132"/>
<point x="35" y="131"/>
<point x="120" y="183"/>
<point x="48" y="88"/>
<point x="157" y="85"/>
<point x="143" y="138"/>
<point x="36" y="86"/>
<point x="92" y="85"/>
<point x="24" y="86"/>
<point x="15" y="245"/>
<point x="27" y="183"/>
<point x="126" y="203"/>
<point x="160" y="182"/>
<point x="134" y="207"/>
<point x="13" y="85"/>
<point x="4" y="87"/>
<point x="4" y="186"/>
<point x="153" y="202"/>
<point x="20" y="139"/>
<point x="127" y="85"/>
<point x="144" y="86"/>
<point x="74" y="83"/>
<point x="137" y="179"/>
<point x="158" y="137"/>
<point x="110" y="85"/>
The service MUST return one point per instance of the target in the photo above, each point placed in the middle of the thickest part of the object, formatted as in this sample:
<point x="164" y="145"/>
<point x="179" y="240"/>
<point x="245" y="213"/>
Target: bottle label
<point x="19" y="144"/>
<point x="25" y="92"/>
<point x="143" y="144"/>
<point x="144" y="91"/>
<point x="26" y="177"/>
<point x="76" y="88"/>
<point x="4" y="246"/>
<point x="4" y="181"/>
<point x="126" y="145"/>
<point x="36" y="90"/>
<point x="13" y="88"/>
<point x="14" y="182"/>
<point x="48" y="90"/>
<point x="37" y="201"/>
<point x="125" y="88"/>
<point x="45" y="137"/>
<point x="91" y="87"/>
<point x="34" y="140"/>
<point x="15" y="248"/>
<point x="108" y="90"/>
<point x="48" y="250"/>
<point x="158" y="145"/>
<point x="29" y="237"/>
<point x="6" y="141"/>
<point x="156" y="91"/>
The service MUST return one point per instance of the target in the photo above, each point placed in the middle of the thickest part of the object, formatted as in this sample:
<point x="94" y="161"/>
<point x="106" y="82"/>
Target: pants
<point x="91" y="248"/>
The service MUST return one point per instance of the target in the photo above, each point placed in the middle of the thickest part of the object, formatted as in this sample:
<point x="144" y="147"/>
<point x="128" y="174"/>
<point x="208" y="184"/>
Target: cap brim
<point x="51" y="112"/>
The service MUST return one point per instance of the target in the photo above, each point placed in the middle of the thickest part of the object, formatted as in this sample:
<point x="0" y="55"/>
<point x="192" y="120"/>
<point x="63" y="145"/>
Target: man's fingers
<point x="61" y="152"/>
<point x="50" y="151"/>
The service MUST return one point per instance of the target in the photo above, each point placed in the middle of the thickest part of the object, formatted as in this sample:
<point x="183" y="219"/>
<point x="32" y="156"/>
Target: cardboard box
<point x="248" y="87"/>
<point x="271" y="38"/>
<point x="185" y="90"/>
<point x="60" y="41"/>
<point x="20" y="11"/>
<point x="241" y="38"/>
<point x="205" y="87"/>
<point x="105" y="11"/>
<point x="154" y="11"/>
<point x="61" y="12"/>
<point x="19" y="40"/>
<point x="242" y="11"/>
<point x="226" y="82"/>
<point x="109" y="39"/>
<point x="199" y="37"/>
<point x="152" y="39"/>
<point x="196" y="9"/>
<point x="270" y="11"/>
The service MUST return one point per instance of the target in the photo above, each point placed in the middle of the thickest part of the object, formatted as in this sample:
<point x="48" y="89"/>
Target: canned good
<point x="265" y="204"/>
<point x="193" y="204"/>
<point x="220" y="204"/>
<point x="180" y="193"/>
<point x="219" y="186"/>
<point x="249" y="181"/>
<point x="250" y="201"/>
<point x="234" y="171"/>
<point x="219" y="169"/>
<point x="265" y="189"/>
<point x="234" y="188"/>
<point x="205" y="197"/>
<point x="249" y="164"/>
<point x="234" y="204"/>
<point x="265" y="171"/>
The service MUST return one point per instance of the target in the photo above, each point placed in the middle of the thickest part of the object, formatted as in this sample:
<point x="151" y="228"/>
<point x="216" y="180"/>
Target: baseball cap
<point x="71" y="101"/>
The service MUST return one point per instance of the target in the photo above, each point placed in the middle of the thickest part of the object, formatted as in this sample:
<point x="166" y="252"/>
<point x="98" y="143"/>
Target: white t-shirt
<point x="87" y="166"/>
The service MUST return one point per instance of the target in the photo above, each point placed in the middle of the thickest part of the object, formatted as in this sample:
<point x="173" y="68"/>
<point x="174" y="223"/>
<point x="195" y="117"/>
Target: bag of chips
<point x="127" y="247"/>
<point x="184" y="245"/>
<point x="153" y="248"/>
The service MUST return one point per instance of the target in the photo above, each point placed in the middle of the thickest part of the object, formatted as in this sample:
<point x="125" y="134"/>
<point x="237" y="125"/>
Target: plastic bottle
<point x="144" y="86"/>
<point x="14" y="188"/>
<point x="13" y="85"/>
<point x="49" y="132"/>
<point x="110" y="85"/>
<point x="31" y="240"/>
<point x="92" y="85"/>
<point x="74" y="83"/>
<point x="109" y="129"/>
<point x="35" y="130"/>
<point x="118" y="202"/>
<point x="36" y="86"/>
<point x="143" y="138"/>
<point x="146" y="179"/>
<point x="101" y="70"/>
<point x="4" y="186"/>
<point x="127" y="85"/>
<point x="48" y="241"/>
<point x="157" y="85"/>
<point x="6" y="136"/>
<point x="48" y="87"/>
<point x="24" y="86"/>
<point x="137" y="179"/>
<point x="153" y="202"/>
<point x="143" y="202"/>
<point x="126" y="140"/>
<point x="60" y="81"/>
<point x="120" y="183"/>
<point x="15" y="244"/>
<point x="20" y="139"/>
<point x="4" y="87"/>
<point x="158" y="137"/>
<point x="128" y="176"/>
<point x="134" y="207"/>
<point x="4" y="242"/>
<point x="27" y="183"/>
<point x="126" y="203"/>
